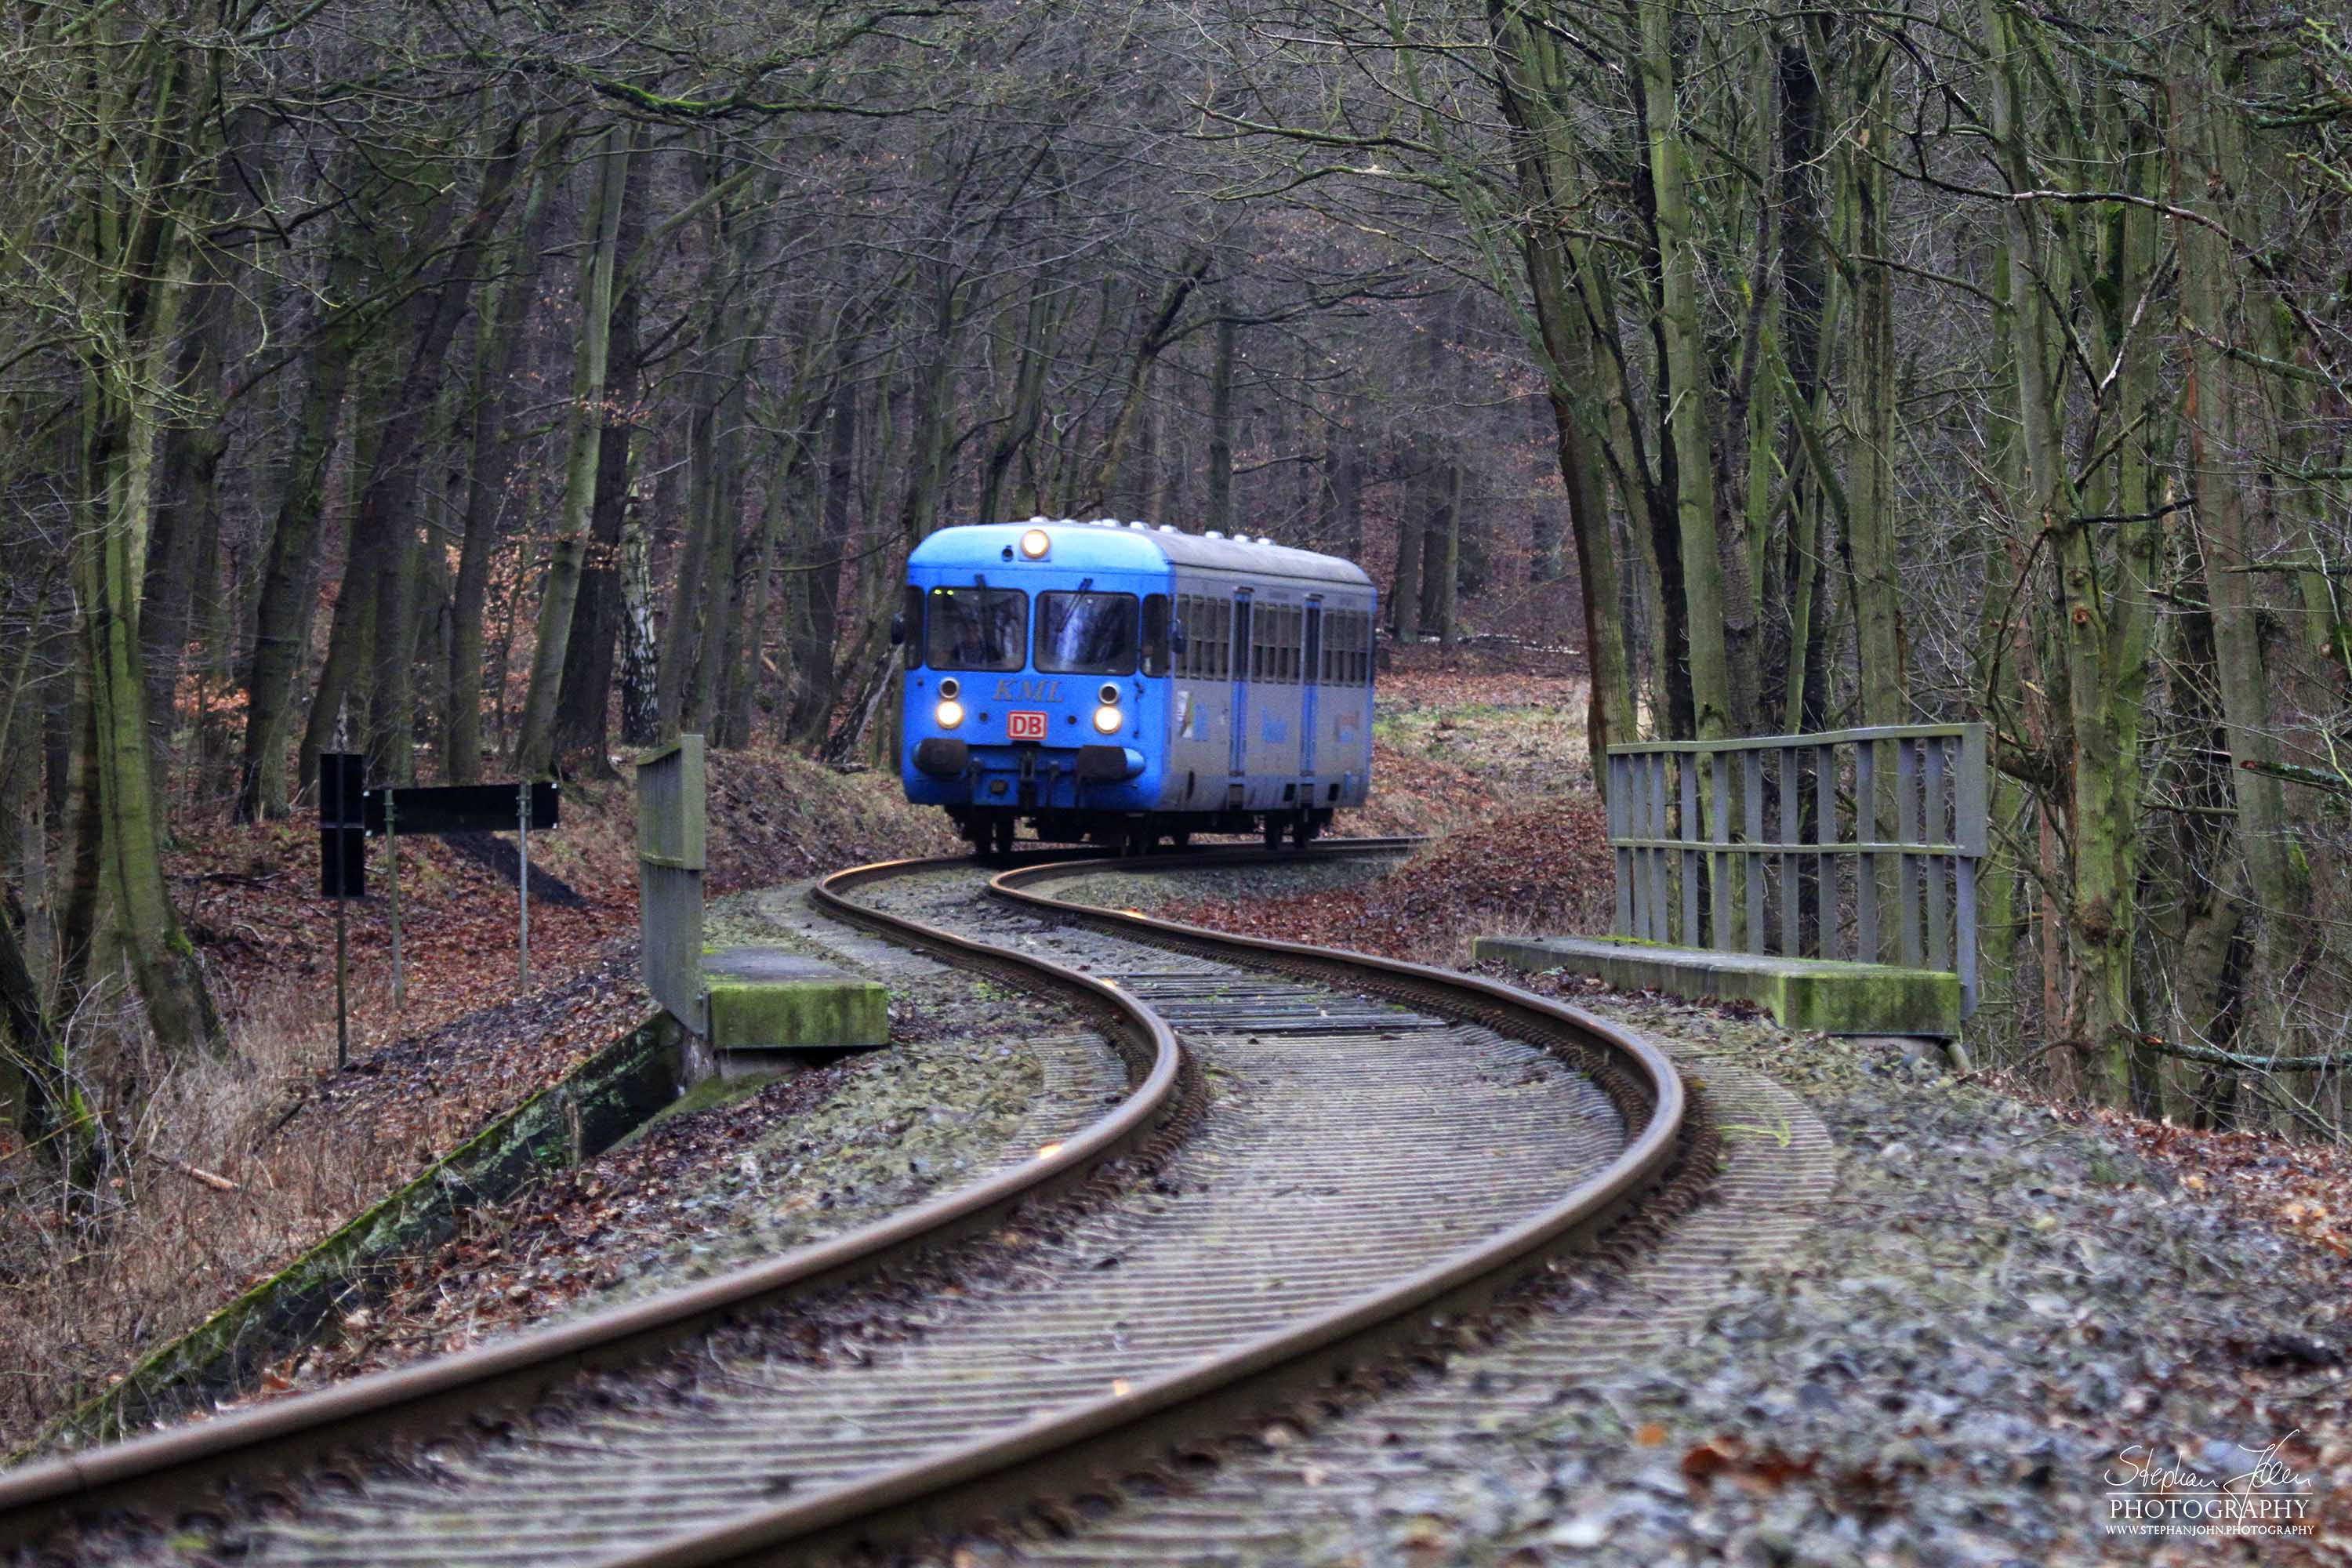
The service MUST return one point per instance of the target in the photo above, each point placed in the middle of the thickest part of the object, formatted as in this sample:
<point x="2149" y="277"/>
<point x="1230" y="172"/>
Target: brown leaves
<point x="2304" y="1189"/>
<point x="1730" y="1460"/>
<point x="1545" y="866"/>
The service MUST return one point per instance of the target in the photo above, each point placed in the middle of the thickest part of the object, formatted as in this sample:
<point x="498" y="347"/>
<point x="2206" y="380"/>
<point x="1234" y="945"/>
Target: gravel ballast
<point x="1992" y="1316"/>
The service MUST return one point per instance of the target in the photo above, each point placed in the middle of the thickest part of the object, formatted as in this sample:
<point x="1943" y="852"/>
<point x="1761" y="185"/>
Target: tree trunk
<point x="1531" y="87"/>
<point x="2221" y="423"/>
<point x="1870" y="484"/>
<point x="1028" y="404"/>
<point x="1158" y="330"/>
<point x="815" y="684"/>
<point x="1220" y="428"/>
<point x="497" y="350"/>
<point x="583" y="709"/>
<point x="535" y="740"/>
<point x="2105" y="610"/>
<point x="121" y="385"/>
<point x="1683" y="391"/>
<point x="185" y="513"/>
<point x="640" y="711"/>
<point x="281" y="618"/>
<point x="1404" y="588"/>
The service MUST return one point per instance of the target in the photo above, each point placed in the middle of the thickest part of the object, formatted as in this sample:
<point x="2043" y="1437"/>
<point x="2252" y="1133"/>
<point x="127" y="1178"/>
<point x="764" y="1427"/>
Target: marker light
<point x="1109" y="695"/>
<point x="950" y="686"/>
<point x="1035" y="544"/>
<point x="1107" y="720"/>
<point x="949" y="713"/>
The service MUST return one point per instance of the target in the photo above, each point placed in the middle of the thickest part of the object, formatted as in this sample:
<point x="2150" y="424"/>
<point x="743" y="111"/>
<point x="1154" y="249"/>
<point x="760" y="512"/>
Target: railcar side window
<point x="1086" y="633"/>
<point x="976" y="628"/>
<point x="1155" y="634"/>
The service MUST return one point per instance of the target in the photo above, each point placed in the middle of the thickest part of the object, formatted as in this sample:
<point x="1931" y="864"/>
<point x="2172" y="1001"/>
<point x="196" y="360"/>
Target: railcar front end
<point x="1051" y="678"/>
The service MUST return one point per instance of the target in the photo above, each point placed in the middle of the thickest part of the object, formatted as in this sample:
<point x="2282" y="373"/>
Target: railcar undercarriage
<point x="994" y="828"/>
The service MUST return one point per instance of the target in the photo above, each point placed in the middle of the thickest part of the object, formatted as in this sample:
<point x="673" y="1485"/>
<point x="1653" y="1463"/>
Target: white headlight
<point x="949" y="713"/>
<point x="1035" y="544"/>
<point x="1107" y="720"/>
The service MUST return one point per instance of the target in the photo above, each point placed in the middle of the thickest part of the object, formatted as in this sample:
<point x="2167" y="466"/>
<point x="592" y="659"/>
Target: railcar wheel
<point x="1272" y="826"/>
<point x="1137" y="839"/>
<point x="1302" y="830"/>
<point x="1004" y="832"/>
<point x="1181" y="841"/>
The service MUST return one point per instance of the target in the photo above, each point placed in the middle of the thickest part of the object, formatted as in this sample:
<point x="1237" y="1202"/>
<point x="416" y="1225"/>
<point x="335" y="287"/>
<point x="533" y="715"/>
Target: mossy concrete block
<point x="1834" y="998"/>
<point x="766" y="999"/>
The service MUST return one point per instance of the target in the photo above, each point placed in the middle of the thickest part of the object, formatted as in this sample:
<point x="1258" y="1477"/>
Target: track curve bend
<point x="1339" y="1148"/>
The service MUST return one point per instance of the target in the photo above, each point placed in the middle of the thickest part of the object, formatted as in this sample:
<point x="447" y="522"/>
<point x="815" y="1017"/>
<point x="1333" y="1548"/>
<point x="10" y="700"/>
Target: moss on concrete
<point x="771" y="1014"/>
<point x="1829" y="995"/>
<point x="765" y="998"/>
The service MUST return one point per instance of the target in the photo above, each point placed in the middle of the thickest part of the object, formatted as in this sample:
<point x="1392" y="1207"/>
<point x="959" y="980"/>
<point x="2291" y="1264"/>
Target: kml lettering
<point x="1019" y="689"/>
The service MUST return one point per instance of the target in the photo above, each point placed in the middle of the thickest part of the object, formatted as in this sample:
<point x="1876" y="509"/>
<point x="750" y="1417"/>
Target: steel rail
<point x="182" y="1461"/>
<point x="953" y="1484"/>
<point x="176" y="1462"/>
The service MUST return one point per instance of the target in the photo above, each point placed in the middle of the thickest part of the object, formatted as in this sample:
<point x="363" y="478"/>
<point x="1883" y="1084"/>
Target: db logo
<point x="1025" y="726"/>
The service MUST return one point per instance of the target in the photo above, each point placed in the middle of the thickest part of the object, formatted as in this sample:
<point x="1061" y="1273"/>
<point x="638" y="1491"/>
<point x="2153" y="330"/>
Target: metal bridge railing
<point x="1851" y="844"/>
<point x="670" y="852"/>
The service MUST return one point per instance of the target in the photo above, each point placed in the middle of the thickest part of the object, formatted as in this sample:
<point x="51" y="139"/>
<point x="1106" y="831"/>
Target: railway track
<point x="1316" y="1153"/>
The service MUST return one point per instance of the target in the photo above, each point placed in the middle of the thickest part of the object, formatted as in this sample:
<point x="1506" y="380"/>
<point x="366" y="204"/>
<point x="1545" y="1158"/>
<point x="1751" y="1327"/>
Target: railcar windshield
<point x="977" y="628"/>
<point x="1086" y="634"/>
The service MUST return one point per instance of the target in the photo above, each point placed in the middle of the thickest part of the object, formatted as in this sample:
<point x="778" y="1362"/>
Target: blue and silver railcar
<point x="1121" y="682"/>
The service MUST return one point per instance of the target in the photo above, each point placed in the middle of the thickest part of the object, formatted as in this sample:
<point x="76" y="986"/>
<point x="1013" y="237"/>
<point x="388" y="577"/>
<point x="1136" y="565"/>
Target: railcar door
<point x="1241" y="674"/>
<point x="1310" y="675"/>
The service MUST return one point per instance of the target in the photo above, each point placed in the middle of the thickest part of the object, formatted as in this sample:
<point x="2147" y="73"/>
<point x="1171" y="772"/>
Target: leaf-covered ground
<point x="1527" y="867"/>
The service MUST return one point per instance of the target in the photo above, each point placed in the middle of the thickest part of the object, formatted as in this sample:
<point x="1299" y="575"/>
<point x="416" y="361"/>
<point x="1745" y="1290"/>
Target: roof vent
<point x="1138" y="522"/>
<point x="1261" y="539"/>
<point x="1167" y="528"/>
<point x="1212" y="533"/>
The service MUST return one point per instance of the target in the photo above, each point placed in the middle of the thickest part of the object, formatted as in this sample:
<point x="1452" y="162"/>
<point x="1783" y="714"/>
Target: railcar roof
<point x="1135" y="546"/>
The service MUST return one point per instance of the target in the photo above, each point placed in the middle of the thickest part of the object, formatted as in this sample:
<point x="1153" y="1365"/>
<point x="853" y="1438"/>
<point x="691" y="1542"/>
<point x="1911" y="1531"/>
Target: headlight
<point x="949" y="713"/>
<point x="1035" y="544"/>
<point x="1109" y="720"/>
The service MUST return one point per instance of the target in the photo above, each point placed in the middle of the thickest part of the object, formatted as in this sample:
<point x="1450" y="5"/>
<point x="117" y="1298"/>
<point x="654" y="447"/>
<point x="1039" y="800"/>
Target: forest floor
<point x="2003" y="1292"/>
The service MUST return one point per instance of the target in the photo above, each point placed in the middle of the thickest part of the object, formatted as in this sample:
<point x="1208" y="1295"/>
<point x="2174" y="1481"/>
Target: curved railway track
<point x="1315" y="1152"/>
